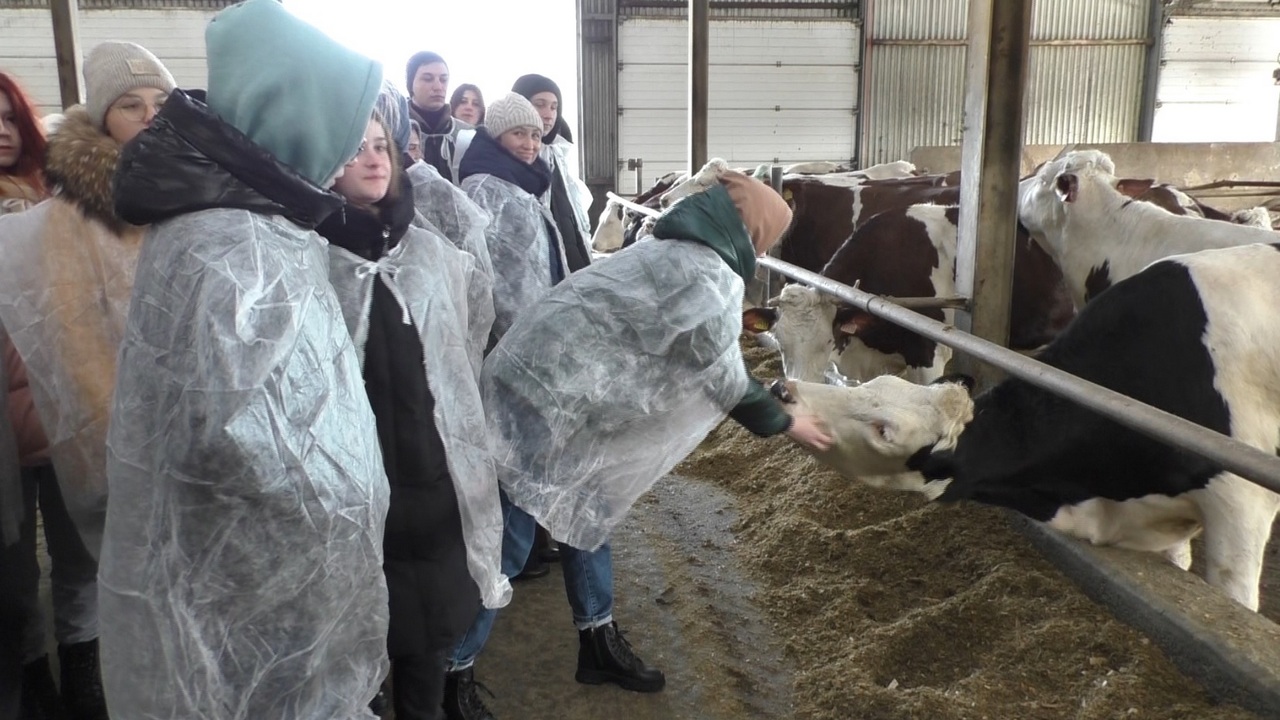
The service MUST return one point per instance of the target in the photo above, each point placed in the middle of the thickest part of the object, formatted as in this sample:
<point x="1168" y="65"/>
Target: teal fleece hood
<point x="290" y="88"/>
<point x="712" y="219"/>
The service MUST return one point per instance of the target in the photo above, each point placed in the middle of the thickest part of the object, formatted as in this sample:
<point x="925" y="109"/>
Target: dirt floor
<point x="885" y="607"/>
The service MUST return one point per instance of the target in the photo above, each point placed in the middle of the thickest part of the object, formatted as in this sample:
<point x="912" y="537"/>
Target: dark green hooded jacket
<point x="710" y="218"/>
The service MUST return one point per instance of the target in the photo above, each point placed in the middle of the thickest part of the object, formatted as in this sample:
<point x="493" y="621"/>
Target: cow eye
<point x="779" y="390"/>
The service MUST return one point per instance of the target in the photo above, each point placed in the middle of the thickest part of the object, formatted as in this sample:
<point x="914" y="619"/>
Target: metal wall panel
<point x="597" y="132"/>
<point x="1216" y="84"/>
<point x="1088" y="58"/>
<point x="743" y="9"/>
<point x="175" y="36"/>
<point x="781" y="91"/>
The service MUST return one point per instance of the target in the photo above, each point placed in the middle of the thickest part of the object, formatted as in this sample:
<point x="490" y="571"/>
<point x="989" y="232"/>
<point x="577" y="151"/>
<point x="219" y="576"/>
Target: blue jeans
<point x="588" y="582"/>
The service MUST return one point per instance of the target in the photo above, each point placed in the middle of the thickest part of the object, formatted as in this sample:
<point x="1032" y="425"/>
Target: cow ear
<point x="854" y="323"/>
<point x="1134" y="188"/>
<point x="1067" y="186"/>
<point x="932" y="463"/>
<point x="758" y="320"/>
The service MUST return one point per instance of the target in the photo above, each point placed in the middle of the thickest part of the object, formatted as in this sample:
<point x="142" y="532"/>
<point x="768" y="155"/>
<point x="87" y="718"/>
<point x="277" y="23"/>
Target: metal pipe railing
<point x="1244" y="460"/>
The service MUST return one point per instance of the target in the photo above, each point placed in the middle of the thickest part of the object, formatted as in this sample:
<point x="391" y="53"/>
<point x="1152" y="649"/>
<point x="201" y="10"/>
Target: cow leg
<point x="1237" y="524"/>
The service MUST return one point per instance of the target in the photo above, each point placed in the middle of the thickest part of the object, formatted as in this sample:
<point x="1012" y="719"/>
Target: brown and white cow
<point x="905" y="252"/>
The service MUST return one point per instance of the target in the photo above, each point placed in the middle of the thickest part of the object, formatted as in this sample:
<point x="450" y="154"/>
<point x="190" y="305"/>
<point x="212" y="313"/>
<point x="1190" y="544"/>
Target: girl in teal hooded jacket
<point x="241" y="571"/>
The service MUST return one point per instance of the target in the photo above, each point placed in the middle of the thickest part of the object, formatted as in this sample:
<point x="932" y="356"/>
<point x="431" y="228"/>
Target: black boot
<point x="82" y="681"/>
<point x="40" y="699"/>
<point x="604" y="655"/>
<point x="462" y="698"/>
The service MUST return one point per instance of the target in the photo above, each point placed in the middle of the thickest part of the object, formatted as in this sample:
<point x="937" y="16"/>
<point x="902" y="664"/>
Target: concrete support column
<point x="699" y="82"/>
<point x="996" y="74"/>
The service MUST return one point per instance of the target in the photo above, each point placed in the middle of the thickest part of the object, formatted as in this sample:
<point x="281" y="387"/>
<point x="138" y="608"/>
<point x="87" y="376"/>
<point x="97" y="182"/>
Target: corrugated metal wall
<point x="744" y="9"/>
<point x="1216" y="82"/>
<point x="1087" y="63"/>
<point x="598" y="92"/>
<point x="781" y="91"/>
<point x="175" y="36"/>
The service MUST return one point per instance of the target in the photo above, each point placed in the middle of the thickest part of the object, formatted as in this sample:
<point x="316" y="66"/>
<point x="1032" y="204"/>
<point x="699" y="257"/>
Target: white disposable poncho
<point x="519" y="236"/>
<point x="613" y="378"/>
<point x="241" y="573"/>
<point x="65" y="284"/>
<point x="450" y="301"/>
<point x="560" y="156"/>
<point x="445" y="209"/>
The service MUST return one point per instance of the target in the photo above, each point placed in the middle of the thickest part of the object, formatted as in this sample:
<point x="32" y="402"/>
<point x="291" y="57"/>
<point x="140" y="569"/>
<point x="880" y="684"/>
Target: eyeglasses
<point x="134" y="109"/>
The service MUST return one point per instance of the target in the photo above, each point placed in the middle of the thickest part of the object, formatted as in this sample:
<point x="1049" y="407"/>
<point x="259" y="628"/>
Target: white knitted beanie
<point x="508" y="112"/>
<point x="112" y="69"/>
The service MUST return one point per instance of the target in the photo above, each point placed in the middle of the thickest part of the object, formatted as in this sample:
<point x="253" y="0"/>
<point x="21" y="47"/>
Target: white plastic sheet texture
<point x="64" y="293"/>
<point x="450" y="302"/>
<point x="519" y="239"/>
<point x="560" y="154"/>
<point x="241" y="573"/>
<point x="603" y="386"/>
<point x="445" y="209"/>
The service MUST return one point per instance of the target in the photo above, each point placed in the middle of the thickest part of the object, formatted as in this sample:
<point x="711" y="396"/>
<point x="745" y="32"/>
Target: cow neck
<point x="711" y="219"/>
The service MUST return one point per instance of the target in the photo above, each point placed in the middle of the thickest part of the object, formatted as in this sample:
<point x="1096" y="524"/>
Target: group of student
<point x="293" y="402"/>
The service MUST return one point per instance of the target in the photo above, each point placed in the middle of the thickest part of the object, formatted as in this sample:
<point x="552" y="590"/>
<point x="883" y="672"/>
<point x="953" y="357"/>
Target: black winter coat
<point x="433" y="597"/>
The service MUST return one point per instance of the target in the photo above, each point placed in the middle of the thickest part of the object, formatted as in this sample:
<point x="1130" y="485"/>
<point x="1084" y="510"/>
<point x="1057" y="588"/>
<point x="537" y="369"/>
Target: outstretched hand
<point x="809" y="431"/>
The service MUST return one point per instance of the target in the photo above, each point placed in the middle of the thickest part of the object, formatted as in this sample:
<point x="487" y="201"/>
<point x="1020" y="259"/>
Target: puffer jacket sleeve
<point x="759" y="412"/>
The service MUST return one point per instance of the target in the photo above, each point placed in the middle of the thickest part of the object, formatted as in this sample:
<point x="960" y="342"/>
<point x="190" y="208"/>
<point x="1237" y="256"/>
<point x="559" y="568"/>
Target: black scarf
<point x="486" y="157"/>
<point x="576" y="255"/>
<point x="434" y="122"/>
<point x="367" y="234"/>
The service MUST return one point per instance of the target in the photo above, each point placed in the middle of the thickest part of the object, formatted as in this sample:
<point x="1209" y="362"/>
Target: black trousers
<point x="417" y="686"/>
<point x="12" y="622"/>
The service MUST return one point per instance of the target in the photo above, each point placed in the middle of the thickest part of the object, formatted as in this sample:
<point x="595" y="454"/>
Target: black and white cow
<point x="1196" y="335"/>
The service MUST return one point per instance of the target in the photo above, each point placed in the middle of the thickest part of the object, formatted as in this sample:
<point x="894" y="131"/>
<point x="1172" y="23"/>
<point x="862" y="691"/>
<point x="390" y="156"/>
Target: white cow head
<point x="800" y="318"/>
<point x="879" y="425"/>
<point x="705" y="178"/>
<point x="608" y="235"/>
<point x="1041" y="197"/>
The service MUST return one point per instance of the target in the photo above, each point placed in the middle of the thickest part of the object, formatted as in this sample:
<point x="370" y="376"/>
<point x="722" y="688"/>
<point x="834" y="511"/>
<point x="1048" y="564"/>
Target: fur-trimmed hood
<point x="80" y="164"/>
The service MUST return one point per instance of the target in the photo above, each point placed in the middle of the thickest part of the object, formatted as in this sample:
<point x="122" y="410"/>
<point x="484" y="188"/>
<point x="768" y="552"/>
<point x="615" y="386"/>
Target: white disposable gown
<point x="445" y="209"/>
<point x="450" y="300"/>
<point x="241" y="573"/>
<point x="602" y="387"/>
<point x="520" y="237"/>
<point x="560" y="155"/>
<point x="66" y="286"/>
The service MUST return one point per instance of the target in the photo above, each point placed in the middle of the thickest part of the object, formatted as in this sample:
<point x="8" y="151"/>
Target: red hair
<point x="30" y="165"/>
